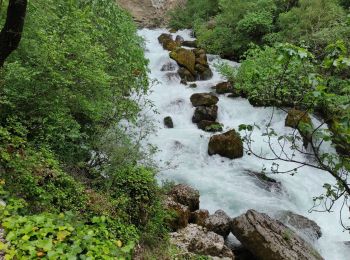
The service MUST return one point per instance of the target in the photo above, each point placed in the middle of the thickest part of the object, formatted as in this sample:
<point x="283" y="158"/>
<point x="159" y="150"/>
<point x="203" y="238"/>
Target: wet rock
<point x="223" y="88"/>
<point x="181" y="214"/>
<point x="168" y="122"/>
<point x="300" y="223"/>
<point x="166" y="40"/>
<point x="191" y="44"/>
<point x="205" y="74"/>
<point x="199" y="216"/>
<point x="204" y="99"/>
<point x="228" y="145"/>
<point x="300" y="120"/>
<point x="183" y="82"/>
<point x="269" y="239"/>
<point x="210" y="126"/>
<point x="168" y="67"/>
<point x="185" y="74"/>
<point x="186" y="196"/>
<point x="172" y="30"/>
<point x="266" y="182"/>
<point x="219" y="223"/>
<point x="205" y="113"/>
<point x="193" y="85"/>
<point x="199" y="240"/>
<point x="202" y="67"/>
<point x="296" y="117"/>
<point x="184" y="58"/>
<point x="179" y="39"/>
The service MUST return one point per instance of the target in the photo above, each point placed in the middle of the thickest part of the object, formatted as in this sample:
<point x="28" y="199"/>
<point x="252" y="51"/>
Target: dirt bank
<point x="149" y="13"/>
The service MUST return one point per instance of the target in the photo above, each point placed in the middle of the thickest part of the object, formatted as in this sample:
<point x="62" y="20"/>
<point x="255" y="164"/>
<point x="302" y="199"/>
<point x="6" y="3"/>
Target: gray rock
<point x="269" y="239"/>
<point x="300" y="223"/>
<point x="168" y="67"/>
<point x="199" y="240"/>
<point x="219" y="223"/>
<point x="266" y="182"/>
<point x="204" y="99"/>
<point x="179" y="39"/>
<point x="205" y="113"/>
<point x="186" y="196"/>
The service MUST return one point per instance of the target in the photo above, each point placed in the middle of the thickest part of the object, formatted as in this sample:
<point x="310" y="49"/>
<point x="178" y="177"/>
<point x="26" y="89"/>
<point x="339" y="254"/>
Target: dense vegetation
<point x="294" y="54"/>
<point x="71" y="172"/>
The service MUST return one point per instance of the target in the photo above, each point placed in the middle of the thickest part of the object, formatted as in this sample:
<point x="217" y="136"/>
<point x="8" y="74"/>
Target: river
<point x="224" y="183"/>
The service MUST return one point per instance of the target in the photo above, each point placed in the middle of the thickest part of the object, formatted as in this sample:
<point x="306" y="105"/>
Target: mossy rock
<point x="228" y="145"/>
<point x="296" y="117"/>
<point x="185" y="58"/>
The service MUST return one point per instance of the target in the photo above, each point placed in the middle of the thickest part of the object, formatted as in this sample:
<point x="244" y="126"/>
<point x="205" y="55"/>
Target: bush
<point x="52" y="235"/>
<point x="268" y="79"/>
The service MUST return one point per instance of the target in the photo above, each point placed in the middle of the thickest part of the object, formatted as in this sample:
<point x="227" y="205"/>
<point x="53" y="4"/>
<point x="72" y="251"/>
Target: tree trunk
<point x="11" y="33"/>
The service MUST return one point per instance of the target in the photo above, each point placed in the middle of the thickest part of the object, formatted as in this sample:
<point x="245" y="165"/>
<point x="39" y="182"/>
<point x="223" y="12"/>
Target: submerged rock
<point x="168" y="67"/>
<point x="269" y="239"/>
<point x="205" y="113"/>
<point x="204" y="99"/>
<point x="210" y="126"/>
<point x="300" y="223"/>
<point x="185" y="195"/>
<point x="219" y="223"/>
<point x="199" y="240"/>
<point x="168" y="122"/>
<point x="184" y="58"/>
<point x="266" y="182"/>
<point x="228" y="145"/>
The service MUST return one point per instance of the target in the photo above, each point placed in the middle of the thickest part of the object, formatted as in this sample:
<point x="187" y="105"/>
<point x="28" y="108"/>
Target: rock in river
<point x="228" y="145"/>
<point x="269" y="239"/>
<point x="204" y="99"/>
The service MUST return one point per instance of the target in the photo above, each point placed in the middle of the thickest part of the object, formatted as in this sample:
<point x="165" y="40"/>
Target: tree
<point x="11" y="33"/>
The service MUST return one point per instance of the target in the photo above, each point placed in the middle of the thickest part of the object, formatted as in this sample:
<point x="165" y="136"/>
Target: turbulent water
<point x="224" y="183"/>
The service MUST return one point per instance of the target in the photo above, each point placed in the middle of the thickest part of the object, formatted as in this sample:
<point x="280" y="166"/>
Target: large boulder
<point x="228" y="145"/>
<point x="185" y="195"/>
<point x="204" y="99"/>
<point x="184" y="58"/>
<point x="205" y="113"/>
<point x="181" y="214"/>
<point x="166" y="40"/>
<point x="219" y="223"/>
<point x="269" y="239"/>
<point x="199" y="240"/>
<point x="300" y="223"/>
<point x="210" y="126"/>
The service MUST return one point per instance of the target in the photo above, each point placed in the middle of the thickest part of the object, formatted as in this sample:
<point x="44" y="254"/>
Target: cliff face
<point x="150" y="13"/>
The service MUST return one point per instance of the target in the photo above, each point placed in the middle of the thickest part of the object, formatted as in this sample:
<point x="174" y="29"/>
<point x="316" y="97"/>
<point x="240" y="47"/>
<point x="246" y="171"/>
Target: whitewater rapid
<point x="224" y="183"/>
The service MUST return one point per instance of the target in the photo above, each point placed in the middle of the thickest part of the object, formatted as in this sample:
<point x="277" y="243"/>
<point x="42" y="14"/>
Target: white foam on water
<point x="224" y="183"/>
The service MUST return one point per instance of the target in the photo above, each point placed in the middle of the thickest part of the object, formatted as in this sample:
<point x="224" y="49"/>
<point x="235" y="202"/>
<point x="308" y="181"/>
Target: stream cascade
<point x="224" y="183"/>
